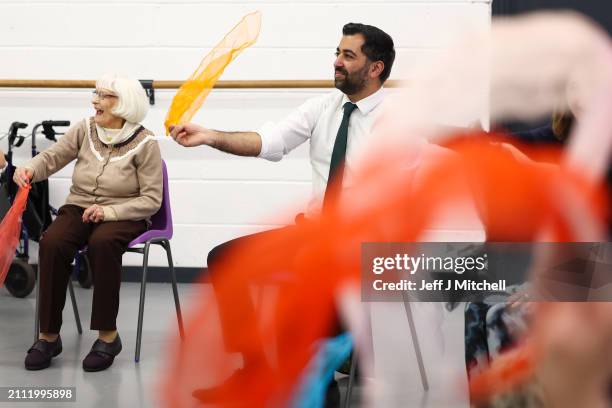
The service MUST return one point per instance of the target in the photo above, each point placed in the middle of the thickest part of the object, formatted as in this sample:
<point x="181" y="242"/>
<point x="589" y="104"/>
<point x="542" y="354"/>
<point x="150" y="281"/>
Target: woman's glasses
<point x="103" y="95"/>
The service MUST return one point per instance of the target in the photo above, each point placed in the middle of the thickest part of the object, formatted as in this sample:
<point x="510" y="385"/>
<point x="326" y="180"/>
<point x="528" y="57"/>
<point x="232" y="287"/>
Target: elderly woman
<point x="116" y="187"/>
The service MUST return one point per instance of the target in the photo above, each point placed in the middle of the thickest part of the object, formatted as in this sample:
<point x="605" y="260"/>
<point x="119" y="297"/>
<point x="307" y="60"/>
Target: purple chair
<point x="159" y="233"/>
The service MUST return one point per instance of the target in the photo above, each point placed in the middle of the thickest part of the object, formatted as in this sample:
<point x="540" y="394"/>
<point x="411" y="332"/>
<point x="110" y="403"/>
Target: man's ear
<point x="376" y="69"/>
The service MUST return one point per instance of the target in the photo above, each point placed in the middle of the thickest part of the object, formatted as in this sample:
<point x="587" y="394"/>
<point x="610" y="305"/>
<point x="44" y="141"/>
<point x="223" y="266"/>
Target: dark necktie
<point x="336" y="166"/>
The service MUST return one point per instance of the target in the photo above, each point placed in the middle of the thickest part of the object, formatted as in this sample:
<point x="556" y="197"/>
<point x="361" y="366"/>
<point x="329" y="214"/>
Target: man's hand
<point x="190" y="135"/>
<point x="22" y="176"/>
<point x="94" y="214"/>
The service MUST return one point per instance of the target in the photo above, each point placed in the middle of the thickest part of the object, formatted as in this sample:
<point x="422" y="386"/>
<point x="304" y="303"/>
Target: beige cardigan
<point x="125" y="179"/>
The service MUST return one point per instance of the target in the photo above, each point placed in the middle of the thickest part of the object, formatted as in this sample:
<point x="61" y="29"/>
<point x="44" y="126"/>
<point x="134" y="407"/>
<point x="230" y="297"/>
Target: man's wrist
<point x="213" y="139"/>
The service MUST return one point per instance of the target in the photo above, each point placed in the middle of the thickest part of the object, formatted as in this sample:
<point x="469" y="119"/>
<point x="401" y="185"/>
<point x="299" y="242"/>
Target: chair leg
<point x="177" y="304"/>
<point x="349" y="389"/>
<point x="143" y="286"/>
<point x="75" y="308"/>
<point x="36" y="314"/>
<point x="417" y="348"/>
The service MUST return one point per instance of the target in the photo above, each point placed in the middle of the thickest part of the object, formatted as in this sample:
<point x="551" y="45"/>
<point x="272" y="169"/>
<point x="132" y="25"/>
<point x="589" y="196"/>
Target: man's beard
<point x="351" y="83"/>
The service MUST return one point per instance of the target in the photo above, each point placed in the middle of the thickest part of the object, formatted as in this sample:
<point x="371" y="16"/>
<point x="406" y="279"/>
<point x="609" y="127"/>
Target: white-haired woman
<point x="116" y="187"/>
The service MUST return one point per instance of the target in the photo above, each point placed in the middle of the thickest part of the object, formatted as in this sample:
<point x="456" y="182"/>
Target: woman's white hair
<point x="132" y="104"/>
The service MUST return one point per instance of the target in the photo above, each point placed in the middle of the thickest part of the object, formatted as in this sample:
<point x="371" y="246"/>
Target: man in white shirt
<point x="337" y="126"/>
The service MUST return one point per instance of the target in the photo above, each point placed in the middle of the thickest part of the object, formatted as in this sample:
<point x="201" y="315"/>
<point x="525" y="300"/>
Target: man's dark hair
<point x="378" y="45"/>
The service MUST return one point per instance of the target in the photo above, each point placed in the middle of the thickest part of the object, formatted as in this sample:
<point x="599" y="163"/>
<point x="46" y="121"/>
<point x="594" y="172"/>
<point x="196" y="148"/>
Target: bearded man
<point x="336" y="124"/>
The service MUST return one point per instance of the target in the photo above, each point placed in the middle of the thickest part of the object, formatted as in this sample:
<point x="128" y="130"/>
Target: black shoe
<point x="102" y="355"/>
<point x="40" y="354"/>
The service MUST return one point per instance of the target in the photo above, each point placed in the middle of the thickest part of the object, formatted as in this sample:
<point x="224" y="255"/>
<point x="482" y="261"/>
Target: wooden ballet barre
<point x="252" y="84"/>
<point x="150" y="85"/>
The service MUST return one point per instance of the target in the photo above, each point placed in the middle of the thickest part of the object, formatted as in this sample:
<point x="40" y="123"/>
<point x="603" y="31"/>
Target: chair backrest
<point x="162" y="220"/>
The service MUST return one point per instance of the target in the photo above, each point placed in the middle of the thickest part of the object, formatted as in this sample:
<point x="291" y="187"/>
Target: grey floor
<point x="125" y="384"/>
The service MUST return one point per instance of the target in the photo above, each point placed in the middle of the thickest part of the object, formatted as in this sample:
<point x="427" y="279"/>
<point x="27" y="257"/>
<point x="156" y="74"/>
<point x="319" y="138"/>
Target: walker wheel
<point x="20" y="279"/>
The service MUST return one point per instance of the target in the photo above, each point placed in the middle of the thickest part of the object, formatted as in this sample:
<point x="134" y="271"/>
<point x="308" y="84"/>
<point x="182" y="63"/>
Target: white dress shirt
<point x="318" y="120"/>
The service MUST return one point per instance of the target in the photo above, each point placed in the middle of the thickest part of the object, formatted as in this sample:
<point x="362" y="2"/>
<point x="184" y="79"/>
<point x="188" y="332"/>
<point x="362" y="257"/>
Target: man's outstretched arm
<point x="238" y="143"/>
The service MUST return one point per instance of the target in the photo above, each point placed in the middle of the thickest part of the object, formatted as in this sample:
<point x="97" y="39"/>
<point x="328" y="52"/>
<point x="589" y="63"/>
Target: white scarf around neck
<point x="116" y="136"/>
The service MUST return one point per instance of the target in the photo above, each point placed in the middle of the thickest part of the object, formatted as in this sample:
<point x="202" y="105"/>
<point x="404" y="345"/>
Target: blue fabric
<point x="319" y="372"/>
<point x="541" y="135"/>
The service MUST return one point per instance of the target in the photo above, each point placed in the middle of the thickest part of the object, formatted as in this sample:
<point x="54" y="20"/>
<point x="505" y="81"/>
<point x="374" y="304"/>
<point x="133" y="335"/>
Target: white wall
<point x="215" y="197"/>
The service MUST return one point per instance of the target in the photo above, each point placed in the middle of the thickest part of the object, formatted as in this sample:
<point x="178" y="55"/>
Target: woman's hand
<point x="190" y="135"/>
<point x="94" y="214"/>
<point x="22" y="176"/>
